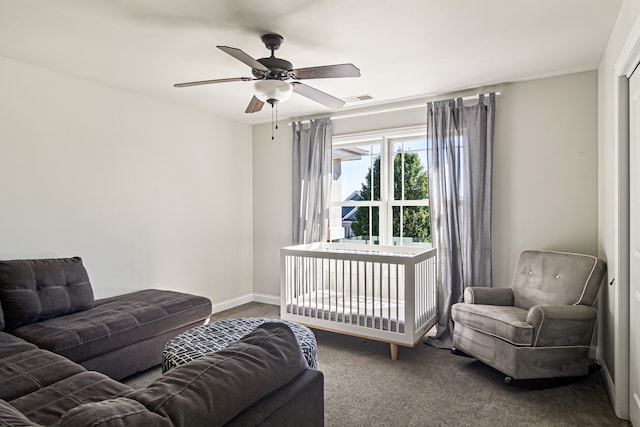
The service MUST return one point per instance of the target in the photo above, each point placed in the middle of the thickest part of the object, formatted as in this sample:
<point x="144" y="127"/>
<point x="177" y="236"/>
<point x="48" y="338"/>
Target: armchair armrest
<point x="562" y="325"/>
<point x="488" y="296"/>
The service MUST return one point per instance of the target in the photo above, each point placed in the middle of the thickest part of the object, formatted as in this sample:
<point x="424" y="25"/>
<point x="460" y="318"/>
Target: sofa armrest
<point x="488" y="296"/>
<point x="562" y="325"/>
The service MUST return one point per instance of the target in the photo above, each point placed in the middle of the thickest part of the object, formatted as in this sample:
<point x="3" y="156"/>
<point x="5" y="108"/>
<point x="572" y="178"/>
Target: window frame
<point x="386" y="138"/>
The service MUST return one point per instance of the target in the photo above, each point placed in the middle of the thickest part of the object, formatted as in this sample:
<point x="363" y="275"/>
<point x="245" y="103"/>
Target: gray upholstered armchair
<point x="542" y="326"/>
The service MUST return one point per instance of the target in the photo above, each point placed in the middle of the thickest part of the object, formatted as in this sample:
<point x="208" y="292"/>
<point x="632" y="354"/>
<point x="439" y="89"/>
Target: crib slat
<point x="366" y="291"/>
<point x="343" y="290"/>
<point x="398" y="298"/>
<point x="358" y="293"/>
<point x="389" y="297"/>
<point x="378" y="311"/>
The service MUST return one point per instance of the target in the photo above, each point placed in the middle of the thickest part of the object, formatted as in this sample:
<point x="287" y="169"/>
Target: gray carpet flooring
<point x="431" y="387"/>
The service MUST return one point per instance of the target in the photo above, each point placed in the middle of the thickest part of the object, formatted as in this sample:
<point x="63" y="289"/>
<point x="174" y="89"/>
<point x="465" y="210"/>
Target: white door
<point x="634" y="249"/>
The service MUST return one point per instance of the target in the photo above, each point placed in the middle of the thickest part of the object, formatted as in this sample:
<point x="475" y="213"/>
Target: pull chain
<point x="274" y="123"/>
<point x="272" y="138"/>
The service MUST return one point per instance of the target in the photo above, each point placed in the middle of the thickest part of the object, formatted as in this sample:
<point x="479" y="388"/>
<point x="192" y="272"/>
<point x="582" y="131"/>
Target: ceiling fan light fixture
<point x="272" y="91"/>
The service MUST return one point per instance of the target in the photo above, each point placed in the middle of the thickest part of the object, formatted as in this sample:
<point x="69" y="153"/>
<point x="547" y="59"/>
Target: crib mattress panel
<point x="335" y="306"/>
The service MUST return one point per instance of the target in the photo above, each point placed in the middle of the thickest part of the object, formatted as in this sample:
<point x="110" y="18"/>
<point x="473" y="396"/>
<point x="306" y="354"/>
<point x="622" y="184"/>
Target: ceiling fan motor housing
<point x="279" y="68"/>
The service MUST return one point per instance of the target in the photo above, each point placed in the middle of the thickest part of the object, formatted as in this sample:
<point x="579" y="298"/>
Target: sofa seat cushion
<point x="47" y="405"/>
<point x="504" y="322"/>
<point x="10" y="416"/>
<point x="31" y="370"/>
<point x="40" y="289"/>
<point x="116" y="322"/>
<point x="10" y="345"/>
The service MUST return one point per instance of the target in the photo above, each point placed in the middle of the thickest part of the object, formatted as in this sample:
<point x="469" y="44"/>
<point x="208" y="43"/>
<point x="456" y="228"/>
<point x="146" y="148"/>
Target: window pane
<point x="411" y="225"/>
<point x="360" y="224"/>
<point x="409" y="170"/>
<point x="356" y="171"/>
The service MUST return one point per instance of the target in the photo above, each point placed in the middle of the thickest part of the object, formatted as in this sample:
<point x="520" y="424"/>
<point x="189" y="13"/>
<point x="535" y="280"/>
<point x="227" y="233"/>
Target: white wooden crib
<point x="384" y="293"/>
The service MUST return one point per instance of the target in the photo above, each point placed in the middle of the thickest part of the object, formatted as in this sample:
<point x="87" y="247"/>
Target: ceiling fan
<point x="276" y="78"/>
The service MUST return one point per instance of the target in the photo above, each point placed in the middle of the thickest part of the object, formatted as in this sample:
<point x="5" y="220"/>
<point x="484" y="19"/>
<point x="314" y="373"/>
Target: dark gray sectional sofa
<point x="61" y="353"/>
<point x="262" y="380"/>
<point x="49" y="303"/>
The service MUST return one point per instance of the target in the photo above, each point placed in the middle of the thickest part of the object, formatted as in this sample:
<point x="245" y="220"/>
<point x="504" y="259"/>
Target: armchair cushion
<point x="40" y="289"/>
<point x="563" y="325"/>
<point x="555" y="278"/>
<point x="507" y="323"/>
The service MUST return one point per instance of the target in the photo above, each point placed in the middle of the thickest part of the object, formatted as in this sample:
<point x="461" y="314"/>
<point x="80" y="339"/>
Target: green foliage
<point x="415" y="219"/>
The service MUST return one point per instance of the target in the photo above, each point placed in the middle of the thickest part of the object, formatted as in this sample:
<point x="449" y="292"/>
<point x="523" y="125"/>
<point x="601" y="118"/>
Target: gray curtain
<point x="459" y="161"/>
<point x="311" y="180"/>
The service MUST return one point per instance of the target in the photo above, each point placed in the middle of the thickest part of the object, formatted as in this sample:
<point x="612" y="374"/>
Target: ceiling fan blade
<point x="243" y="57"/>
<point x="254" y="106"/>
<point x="208" y="82"/>
<point x="317" y="95"/>
<point x="326" y="71"/>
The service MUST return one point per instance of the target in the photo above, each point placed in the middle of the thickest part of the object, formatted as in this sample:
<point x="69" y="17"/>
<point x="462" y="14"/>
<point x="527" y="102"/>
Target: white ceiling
<point x="404" y="48"/>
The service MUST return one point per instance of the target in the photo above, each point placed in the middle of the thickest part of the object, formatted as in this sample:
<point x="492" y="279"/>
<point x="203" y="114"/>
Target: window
<point x="379" y="192"/>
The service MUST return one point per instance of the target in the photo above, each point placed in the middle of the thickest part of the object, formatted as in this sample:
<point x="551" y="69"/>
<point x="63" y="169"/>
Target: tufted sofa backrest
<point x="40" y="289"/>
<point x="556" y="278"/>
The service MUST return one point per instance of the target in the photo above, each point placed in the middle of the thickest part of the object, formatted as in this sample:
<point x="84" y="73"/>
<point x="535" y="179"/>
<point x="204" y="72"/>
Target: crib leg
<point x="394" y="351"/>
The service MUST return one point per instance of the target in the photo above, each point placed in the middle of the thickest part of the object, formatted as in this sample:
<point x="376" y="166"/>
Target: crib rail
<point x="378" y="292"/>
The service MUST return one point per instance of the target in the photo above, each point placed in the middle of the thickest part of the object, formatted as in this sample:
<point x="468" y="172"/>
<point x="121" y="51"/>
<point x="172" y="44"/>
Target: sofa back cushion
<point x="40" y="289"/>
<point x="556" y="278"/>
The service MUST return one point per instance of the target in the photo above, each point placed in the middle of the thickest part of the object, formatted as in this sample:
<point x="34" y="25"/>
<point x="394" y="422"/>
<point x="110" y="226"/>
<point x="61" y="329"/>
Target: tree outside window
<point x="380" y="189"/>
<point x="410" y="182"/>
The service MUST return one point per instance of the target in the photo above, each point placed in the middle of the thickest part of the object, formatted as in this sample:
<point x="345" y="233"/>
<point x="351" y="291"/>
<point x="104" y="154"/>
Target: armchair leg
<point x="508" y="380"/>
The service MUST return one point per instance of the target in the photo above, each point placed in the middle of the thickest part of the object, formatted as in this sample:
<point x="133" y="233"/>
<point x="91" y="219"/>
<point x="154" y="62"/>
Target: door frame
<point x="627" y="61"/>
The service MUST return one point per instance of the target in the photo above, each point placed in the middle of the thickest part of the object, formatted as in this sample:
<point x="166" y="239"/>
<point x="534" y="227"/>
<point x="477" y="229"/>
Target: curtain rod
<point x="396" y="108"/>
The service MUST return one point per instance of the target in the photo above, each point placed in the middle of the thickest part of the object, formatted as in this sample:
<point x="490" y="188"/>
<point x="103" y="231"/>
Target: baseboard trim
<point x="235" y="302"/>
<point x="232" y="303"/>
<point x="608" y="381"/>
<point x="267" y="299"/>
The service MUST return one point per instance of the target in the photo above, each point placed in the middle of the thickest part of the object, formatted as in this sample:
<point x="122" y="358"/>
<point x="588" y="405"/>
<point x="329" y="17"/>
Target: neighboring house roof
<point x="349" y="212"/>
<point x="349" y="153"/>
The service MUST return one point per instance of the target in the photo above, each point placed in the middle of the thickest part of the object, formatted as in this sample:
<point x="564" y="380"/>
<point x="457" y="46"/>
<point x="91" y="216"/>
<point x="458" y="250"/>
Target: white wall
<point x="545" y="181"/>
<point x="273" y="209"/>
<point x="610" y="317"/>
<point x="148" y="193"/>
<point x="545" y="174"/>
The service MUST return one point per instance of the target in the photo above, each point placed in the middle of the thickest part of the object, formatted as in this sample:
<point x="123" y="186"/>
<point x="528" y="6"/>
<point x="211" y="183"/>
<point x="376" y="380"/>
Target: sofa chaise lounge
<point x="49" y="303"/>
